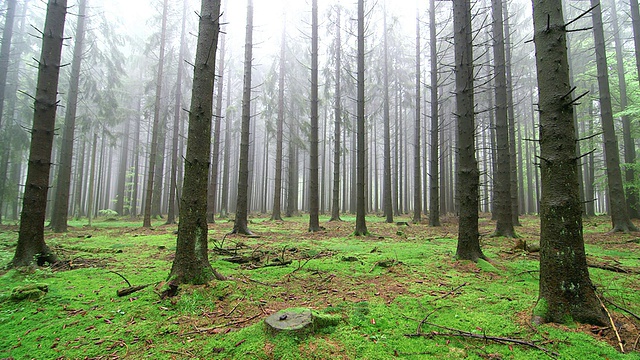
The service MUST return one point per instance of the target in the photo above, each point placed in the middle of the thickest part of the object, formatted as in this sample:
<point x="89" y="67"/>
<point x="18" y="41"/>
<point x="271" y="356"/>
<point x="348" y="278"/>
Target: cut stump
<point x="298" y="321"/>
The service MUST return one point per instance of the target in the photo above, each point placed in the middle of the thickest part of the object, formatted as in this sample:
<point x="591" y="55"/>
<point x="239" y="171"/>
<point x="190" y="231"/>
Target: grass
<point x="382" y="286"/>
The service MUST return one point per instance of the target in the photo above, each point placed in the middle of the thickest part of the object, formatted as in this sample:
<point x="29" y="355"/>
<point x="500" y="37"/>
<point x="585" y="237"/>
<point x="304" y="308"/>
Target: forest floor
<point x="398" y="293"/>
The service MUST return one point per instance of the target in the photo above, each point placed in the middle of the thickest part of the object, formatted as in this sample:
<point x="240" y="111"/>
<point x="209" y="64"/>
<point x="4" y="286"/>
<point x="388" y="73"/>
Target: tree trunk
<point x="387" y="203"/>
<point x="31" y="245"/>
<point x="212" y="193"/>
<point x="468" y="174"/>
<point x="502" y="183"/>
<point x="335" y="207"/>
<point x="5" y="52"/>
<point x="566" y="292"/>
<point x="276" y="213"/>
<point x="292" y="169"/>
<point x="617" y="202"/>
<point x="628" y="140"/>
<point x="191" y="263"/>
<point x="158" y="184"/>
<point x="417" y="180"/>
<point x="434" y="201"/>
<point x="240" y="225"/>
<point x="177" y="112"/>
<point x="61" y="201"/>
<point x="92" y="175"/>
<point x="361" y="225"/>
<point x="136" y="166"/>
<point x="314" y="223"/>
<point x="122" y="169"/>
<point x="224" y="201"/>
<point x="156" y="121"/>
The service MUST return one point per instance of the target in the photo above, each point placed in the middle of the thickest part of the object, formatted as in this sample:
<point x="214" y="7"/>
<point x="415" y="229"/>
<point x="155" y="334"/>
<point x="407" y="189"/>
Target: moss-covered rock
<point x="29" y="291"/>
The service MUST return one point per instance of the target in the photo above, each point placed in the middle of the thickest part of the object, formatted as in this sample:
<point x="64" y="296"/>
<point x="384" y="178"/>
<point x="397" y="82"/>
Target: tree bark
<point x="224" y="201"/>
<point x="417" y="179"/>
<point x="434" y="191"/>
<point x="60" y="212"/>
<point x="361" y="224"/>
<point x="177" y="111"/>
<point x="617" y="202"/>
<point x="240" y="225"/>
<point x="566" y="292"/>
<point x="335" y="206"/>
<point x="31" y="245"/>
<point x="314" y="223"/>
<point x="212" y="193"/>
<point x="468" y="174"/>
<point x="156" y="121"/>
<point x="502" y="183"/>
<point x="387" y="203"/>
<point x="276" y="213"/>
<point x="191" y="263"/>
<point x="5" y="52"/>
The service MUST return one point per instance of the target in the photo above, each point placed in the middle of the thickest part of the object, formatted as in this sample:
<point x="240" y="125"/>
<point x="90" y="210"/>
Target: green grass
<point x="81" y="316"/>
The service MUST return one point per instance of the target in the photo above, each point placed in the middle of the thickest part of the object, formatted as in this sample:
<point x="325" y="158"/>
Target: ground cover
<point x="399" y="292"/>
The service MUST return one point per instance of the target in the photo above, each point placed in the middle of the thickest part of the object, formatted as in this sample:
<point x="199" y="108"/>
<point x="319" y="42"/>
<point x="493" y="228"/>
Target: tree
<point x="177" y="111"/>
<point x="387" y="203"/>
<point x="617" y="202"/>
<point x="240" y="225"/>
<point x="314" y="224"/>
<point x="61" y="202"/>
<point x="434" y="178"/>
<point x="502" y="207"/>
<point x="337" y="149"/>
<point x="361" y="224"/>
<point x="566" y="292"/>
<point x="417" y="181"/>
<point x="31" y="245"/>
<point x="276" y="213"/>
<point x="191" y="263"/>
<point x="156" y="121"/>
<point x="468" y="174"/>
<point x="5" y="51"/>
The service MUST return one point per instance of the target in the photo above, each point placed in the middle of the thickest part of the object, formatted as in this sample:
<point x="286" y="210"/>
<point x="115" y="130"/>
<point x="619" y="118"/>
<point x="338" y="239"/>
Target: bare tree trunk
<point x="122" y="170"/>
<point x="177" y="111"/>
<point x="92" y="176"/>
<point x="276" y="213"/>
<point x="5" y="52"/>
<point x="387" y="203"/>
<point x="240" y="225"/>
<point x="191" y="263"/>
<point x="417" y="180"/>
<point x="224" y="201"/>
<point x="136" y="166"/>
<point x="61" y="201"/>
<point x="156" y="121"/>
<point x="434" y="201"/>
<point x="565" y="288"/>
<point x="628" y="140"/>
<point x="31" y="246"/>
<point x="617" y="202"/>
<point x="361" y="225"/>
<point x="504" y="224"/>
<point x="212" y="193"/>
<point x="314" y="223"/>
<point x="335" y="208"/>
<point x="158" y="184"/>
<point x="468" y="175"/>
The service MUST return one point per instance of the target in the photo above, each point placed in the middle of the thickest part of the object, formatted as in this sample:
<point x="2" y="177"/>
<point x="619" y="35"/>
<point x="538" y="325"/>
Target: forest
<point x="315" y="179"/>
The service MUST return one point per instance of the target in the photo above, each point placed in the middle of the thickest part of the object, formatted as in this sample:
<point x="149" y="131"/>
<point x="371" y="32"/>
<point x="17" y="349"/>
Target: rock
<point x="29" y="291"/>
<point x="299" y="321"/>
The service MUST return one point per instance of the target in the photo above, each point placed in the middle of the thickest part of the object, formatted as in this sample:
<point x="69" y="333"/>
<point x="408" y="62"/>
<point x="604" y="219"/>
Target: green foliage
<point x="368" y="308"/>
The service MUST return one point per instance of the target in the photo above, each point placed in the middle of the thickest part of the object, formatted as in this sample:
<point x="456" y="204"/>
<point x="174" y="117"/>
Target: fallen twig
<point x="450" y="292"/>
<point x="123" y="278"/>
<point x="130" y="290"/>
<point x="460" y="333"/>
<point x="613" y="325"/>
<point x="621" y="308"/>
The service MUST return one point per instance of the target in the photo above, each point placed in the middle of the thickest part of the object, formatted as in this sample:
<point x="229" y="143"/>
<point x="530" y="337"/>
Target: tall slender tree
<point x="60" y="213"/>
<point x="177" y="112"/>
<point x="337" y="146"/>
<point x="31" y="246"/>
<point x="617" y="202"/>
<point x="387" y="203"/>
<point x="314" y="206"/>
<point x="417" y="179"/>
<point x="361" y="224"/>
<point x="566" y="292"/>
<point x="434" y="178"/>
<point x="5" y="52"/>
<point x="146" y="222"/>
<point x="276" y="213"/>
<point x="242" y="205"/>
<point x="468" y="174"/>
<point x="504" y="223"/>
<point x="191" y="263"/>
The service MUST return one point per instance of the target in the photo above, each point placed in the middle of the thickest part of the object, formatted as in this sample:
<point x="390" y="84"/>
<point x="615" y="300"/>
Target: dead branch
<point x="613" y="325"/>
<point x="621" y="308"/>
<point x="123" y="278"/>
<point x="450" y="292"/>
<point x="460" y="333"/>
<point x="130" y="290"/>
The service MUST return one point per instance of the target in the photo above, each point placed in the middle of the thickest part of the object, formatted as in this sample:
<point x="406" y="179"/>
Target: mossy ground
<point x="382" y="286"/>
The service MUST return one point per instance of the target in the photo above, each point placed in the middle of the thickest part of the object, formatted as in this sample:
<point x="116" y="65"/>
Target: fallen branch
<point x="610" y="268"/>
<point x="621" y="308"/>
<point x="130" y="290"/>
<point x="123" y="278"/>
<point x="460" y="333"/>
<point x="450" y="292"/>
<point x="613" y="325"/>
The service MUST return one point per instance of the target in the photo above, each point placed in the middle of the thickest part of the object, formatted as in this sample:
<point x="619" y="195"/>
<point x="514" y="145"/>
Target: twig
<point x="232" y="310"/>
<point x="613" y="325"/>
<point x="186" y="353"/>
<point x="621" y="308"/>
<point x="459" y="333"/>
<point x="419" y="329"/>
<point x="123" y="278"/>
<point x="450" y="292"/>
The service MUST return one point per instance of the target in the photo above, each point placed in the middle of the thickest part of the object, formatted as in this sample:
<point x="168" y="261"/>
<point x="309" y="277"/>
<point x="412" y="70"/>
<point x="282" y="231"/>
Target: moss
<point x="486" y="266"/>
<point x="29" y="291"/>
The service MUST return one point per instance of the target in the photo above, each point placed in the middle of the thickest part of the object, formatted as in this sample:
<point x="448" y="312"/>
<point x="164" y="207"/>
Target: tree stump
<point x="298" y="321"/>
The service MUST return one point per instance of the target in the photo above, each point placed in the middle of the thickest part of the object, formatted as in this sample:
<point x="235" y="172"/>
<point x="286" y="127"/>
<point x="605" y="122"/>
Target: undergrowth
<point x="400" y="281"/>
